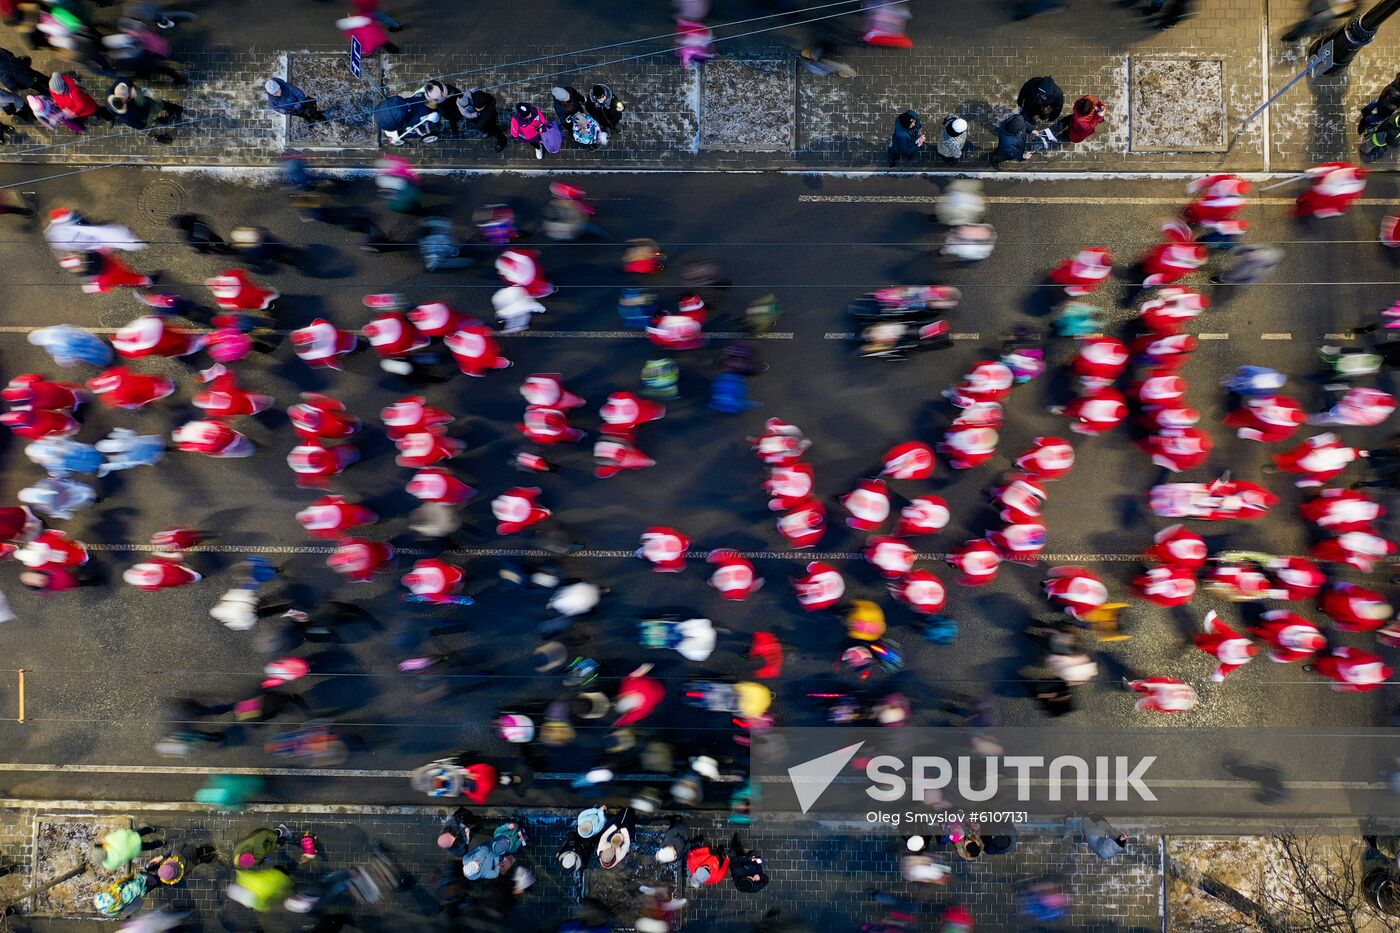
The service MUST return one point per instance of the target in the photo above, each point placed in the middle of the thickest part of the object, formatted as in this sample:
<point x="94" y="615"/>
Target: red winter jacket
<point x="1082" y="126"/>
<point x="701" y="857"/>
<point x="75" y="102"/>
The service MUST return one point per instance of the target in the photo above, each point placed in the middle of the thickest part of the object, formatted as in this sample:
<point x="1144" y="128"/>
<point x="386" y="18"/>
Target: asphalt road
<point x="99" y="659"/>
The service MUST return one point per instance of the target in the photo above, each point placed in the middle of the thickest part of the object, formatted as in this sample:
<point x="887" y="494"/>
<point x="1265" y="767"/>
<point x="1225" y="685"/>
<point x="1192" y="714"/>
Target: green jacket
<point x="120" y="847"/>
<point x="268" y="887"/>
<point x="260" y="842"/>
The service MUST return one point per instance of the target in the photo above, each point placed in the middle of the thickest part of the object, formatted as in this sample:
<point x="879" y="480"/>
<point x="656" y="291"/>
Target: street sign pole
<point x="1317" y="64"/>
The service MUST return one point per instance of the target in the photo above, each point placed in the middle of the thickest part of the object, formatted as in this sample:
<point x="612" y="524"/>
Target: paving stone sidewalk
<point x="824" y="874"/>
<point x="767" y="111"/>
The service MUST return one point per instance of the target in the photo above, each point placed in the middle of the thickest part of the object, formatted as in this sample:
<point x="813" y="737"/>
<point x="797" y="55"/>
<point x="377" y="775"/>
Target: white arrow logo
<point x="811" y="778"/>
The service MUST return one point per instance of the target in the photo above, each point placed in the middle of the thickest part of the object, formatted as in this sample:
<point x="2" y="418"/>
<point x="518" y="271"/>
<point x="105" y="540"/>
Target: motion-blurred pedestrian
<point x="1250" y="264"/>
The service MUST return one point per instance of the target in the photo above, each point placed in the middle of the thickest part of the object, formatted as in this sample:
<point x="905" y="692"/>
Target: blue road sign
<point x="357" y="58"/>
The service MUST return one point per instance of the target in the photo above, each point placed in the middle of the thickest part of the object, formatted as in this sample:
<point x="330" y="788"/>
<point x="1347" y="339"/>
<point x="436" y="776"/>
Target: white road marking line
<point x="269" y="772"/>
<point x="598" y="553"/>
<point x="1346" y="336"/>
<point x="1213" y="336"/>
<point x="1041" y="199"/>
<point x="137" y="806"/>
<point x="553" y="776"/>
<point x="251" y="172"/>
<point x="641" y="334"/>
<point x="1275" y="336"/>
<point x="849" y="335"/>
<point x="556" y="334"/>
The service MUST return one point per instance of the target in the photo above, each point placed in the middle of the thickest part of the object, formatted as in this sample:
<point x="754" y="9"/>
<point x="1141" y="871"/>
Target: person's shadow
<point x="1268" y="778"/>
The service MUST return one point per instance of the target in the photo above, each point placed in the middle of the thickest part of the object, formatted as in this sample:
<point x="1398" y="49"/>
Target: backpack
<point x="552" y="138"/>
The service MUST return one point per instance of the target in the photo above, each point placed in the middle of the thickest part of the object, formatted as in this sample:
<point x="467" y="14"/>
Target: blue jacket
<point x="1012" y="138"/>
<point x="905" y="140"/>
<point x="290" y="100"/>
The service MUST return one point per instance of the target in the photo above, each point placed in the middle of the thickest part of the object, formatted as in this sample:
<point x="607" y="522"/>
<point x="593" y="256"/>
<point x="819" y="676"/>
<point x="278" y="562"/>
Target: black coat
<point x="488" y="117"/>
<point x="608" y="111"/>
<point x="748" y="873"/>
<point x="1041" y="99"/>
<point x="16" y="75"/>
<point x="563" y="109"/>
<point x="448" y="105"/>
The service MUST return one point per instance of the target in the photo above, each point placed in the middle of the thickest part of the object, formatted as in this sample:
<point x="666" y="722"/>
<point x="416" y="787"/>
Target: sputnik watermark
<point x="1116" y="778"/>
<point x="977" y="779"/>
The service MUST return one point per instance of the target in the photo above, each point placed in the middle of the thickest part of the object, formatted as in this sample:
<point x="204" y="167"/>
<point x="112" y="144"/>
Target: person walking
<point x="1385" y="103"/>
<point x="371" y="9"/>
<point x="821" y="60"/>
<point x="1013" y="139"/>
<point x="139" y="108"/>
<point x="907" y="138"/>
<point x="1378" y="136"/>
<point x="256" y="847"/>
<point x="1251" y="264"/>
<point x="1040" y="99"/>
<point x="1100" y="836"/>
<point x="479" y="111"/>
<point x="124" y="845"/>
<point x="567" y="102"/>
<point x="1084" y="117"/>
<point x="605" y="107"/>
<point x="950" y="145"/>
<point x="285" y="97"/>
<point x="444" y="98"/>
<point x="528" y="125"/>
<point x="77" y="104"/>
<point x="369" y="32"/>
<point x="172" y="867"/>
<point x="704" y="864"/>
<point x="1322" y="16"/>
<point x="747" y="868"/>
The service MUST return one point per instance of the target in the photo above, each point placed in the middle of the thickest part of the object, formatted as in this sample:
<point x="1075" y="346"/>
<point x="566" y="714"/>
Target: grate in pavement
<point x="345" y="99"/>
<point x="1177" y="105"/>
<point x="747" y="104"/>
<point x="163" y="199"/>
<point x="62" y="843"/>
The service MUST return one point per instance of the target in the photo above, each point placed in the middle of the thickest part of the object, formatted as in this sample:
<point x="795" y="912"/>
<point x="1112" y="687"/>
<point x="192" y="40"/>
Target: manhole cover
<point x="162" y="200"/>
<point x="747" y="104"/>
<point x="1178" y="105"/>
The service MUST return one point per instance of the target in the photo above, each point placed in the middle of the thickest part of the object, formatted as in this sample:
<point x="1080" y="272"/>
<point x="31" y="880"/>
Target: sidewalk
<point x="756" y="107"/>
<point x="819" y="873"/>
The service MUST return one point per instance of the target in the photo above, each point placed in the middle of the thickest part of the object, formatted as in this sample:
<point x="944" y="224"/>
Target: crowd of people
<point x="1127" y="383"/>
<point x="1133" y="383"/>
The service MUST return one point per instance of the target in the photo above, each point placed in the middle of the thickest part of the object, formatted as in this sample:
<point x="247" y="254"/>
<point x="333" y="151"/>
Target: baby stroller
<point x="407" y="116"/>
